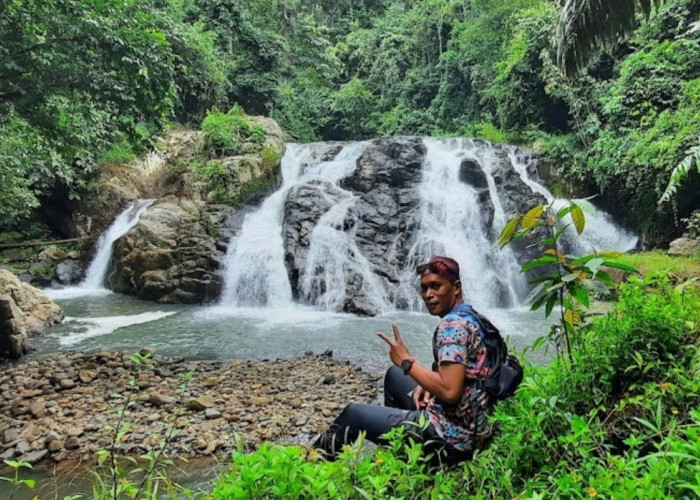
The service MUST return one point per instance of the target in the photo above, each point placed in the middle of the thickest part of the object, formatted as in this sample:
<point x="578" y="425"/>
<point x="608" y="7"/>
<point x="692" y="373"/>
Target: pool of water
<point x="101" y="319"/>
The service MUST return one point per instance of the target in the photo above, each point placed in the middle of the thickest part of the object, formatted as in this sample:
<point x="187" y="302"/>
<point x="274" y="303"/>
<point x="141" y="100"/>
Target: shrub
<point x="224" y="132"/>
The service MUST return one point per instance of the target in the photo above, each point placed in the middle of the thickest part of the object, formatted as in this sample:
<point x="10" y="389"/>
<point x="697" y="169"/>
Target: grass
<point x="677" y="268"/>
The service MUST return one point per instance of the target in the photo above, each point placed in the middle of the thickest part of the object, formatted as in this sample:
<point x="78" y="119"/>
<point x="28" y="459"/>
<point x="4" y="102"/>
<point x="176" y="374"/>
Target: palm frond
<point x="585" y="25"/>
<point x="681" y="171"/>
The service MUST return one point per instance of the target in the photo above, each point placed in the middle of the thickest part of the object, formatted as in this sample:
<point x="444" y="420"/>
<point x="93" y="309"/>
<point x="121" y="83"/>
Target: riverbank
<point x="65" y="407"/>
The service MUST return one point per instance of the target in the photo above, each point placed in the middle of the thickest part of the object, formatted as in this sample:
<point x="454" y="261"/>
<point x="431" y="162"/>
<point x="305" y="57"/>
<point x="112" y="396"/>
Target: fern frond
<point x="585" y="25"/>
<point x="681" y="171"/>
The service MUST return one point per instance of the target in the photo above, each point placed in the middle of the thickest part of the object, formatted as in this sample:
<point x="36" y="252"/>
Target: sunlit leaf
<point x="572" y="317"/>
<point x="556" y="253"/>
<point x="508" y="231"/>
<point x="594" y="264"/>
<point x="532" y="217"/>
<point x="562" y="212"/>
<point x="578" y="217"/>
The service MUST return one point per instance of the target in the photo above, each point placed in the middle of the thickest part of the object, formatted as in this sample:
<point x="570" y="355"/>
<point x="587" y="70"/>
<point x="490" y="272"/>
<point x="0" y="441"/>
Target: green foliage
<point x="119" y="152"/>
<point x="15" y="481"/>
<point x="567" y="280"/>
<point x="224" y="132"/>
<point x="270" y="157"/>
<point x="624" y="426"/>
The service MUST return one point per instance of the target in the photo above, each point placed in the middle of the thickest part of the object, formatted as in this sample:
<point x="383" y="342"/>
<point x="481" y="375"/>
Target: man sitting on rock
<point x="450" y="396"/>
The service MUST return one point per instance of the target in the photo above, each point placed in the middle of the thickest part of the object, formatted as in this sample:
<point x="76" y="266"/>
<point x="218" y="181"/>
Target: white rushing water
<point x="600" y="232"/>
<point x="97" y="271"/>
<point x="451" y="223"/>
<point x="254" y="266"/>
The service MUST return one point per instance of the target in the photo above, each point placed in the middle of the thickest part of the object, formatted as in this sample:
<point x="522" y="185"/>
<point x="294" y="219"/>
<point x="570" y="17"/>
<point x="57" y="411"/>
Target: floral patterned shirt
<point x="459" y="339"/>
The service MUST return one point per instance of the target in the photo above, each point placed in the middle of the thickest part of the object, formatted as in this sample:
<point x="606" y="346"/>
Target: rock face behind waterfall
<point x="382" y="220"/>
<point x="172" y="254"/>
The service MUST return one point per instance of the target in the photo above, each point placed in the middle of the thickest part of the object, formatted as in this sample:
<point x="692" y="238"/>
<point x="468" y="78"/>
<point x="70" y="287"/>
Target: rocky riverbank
<point x="66" y="406"/>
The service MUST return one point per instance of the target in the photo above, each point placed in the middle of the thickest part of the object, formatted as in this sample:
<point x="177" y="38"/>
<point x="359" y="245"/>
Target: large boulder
<point x="24" y="310"/>
<point x="684" y="246"/>
<point x="172" y="255"/>
<point x="382" y="198"/>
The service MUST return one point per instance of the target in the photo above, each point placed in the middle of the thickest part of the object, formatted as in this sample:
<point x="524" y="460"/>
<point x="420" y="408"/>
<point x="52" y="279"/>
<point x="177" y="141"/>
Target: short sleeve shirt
<point x="459" y="339"/>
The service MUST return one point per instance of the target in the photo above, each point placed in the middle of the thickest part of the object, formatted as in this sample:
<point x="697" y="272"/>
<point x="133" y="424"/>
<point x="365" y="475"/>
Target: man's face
<point x="439" y="295"/>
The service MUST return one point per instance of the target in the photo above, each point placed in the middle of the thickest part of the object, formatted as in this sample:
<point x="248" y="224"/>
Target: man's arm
<point x="446" y="384"/>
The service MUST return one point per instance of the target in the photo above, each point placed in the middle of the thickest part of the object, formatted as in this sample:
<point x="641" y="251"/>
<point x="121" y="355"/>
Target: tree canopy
<point x="84" y="82"/>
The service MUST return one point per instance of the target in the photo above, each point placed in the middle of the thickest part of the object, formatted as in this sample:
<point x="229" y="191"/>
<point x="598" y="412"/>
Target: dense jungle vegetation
<point x="88" y="82"/>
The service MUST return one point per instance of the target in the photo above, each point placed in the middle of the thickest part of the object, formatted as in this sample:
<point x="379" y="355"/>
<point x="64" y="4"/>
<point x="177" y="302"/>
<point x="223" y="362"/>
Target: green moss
<point x="224" y="132"/>
<point x="270" y="157"/>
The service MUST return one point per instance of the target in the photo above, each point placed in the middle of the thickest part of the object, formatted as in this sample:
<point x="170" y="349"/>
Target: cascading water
<point x="452" y="220"/>
<point x="97" y="271"/>
<point x="600" y="232"/>
<point x="254" y="266"/>
<point x="452" y="224"/>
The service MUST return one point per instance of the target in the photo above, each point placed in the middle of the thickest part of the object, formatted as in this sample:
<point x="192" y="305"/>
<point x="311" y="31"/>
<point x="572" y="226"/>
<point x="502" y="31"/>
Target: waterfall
<point x="452" y="224"/>
<point x="451" y="217"/>
<point x="600" y="232"/>
<point x="97" y="271"/>
<point x="254" y="269"/>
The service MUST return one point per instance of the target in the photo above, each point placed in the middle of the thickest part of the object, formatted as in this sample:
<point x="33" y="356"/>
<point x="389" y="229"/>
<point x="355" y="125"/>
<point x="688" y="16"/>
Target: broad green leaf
<point x="570" y="277"/>
<point x="550" y="305"/>
<point x="578" y="218"/>
<point x="562" y="212"/>
<point x="538" y="303"/>
<point x="539" y="262"/>
<point x="531" y="218"/>
<point x="508" y="231"/>
<point x="619" y="265"/>
<point x="580" y="294"/>
<point x="594" y="264"/>
<point x="535" y="292"/>
<point x="606" y="278"/>
<point x="537" y="343"/>
<point x="596" y="286"/>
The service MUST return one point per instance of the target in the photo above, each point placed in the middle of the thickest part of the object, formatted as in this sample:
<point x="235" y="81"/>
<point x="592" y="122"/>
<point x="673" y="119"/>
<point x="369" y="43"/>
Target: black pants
<point x="377" y="420"/>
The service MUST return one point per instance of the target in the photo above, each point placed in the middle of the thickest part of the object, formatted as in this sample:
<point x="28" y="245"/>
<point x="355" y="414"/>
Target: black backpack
<point x="508" y="373"/>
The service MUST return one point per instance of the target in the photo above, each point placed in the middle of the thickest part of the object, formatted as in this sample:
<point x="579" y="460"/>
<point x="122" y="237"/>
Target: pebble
<point x="65" y="406"/>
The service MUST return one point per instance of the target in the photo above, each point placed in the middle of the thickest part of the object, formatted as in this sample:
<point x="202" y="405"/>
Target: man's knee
<point x="392" y="375"/>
